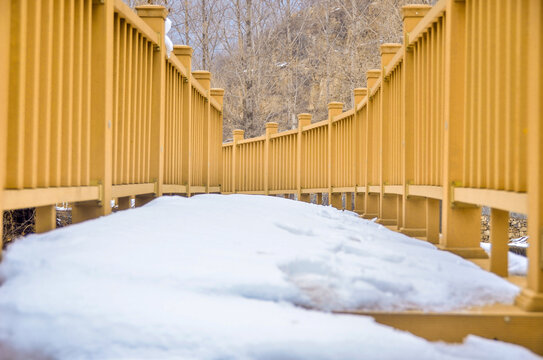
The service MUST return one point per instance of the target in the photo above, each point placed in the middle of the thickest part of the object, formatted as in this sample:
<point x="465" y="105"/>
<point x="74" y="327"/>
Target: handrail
<point x="130" y="16"/>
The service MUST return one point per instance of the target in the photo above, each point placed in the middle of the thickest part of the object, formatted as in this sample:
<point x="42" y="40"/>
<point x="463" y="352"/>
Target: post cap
<point x="390" y="48"/>
<point x="335" y="105"/>
<point x="374" y="73"/>
<point x="238" y="133"/>
<point x="271" y="125"/>
<point x="304" y="119"/>
<point x="217" y="92"/>
<point x="360" y="92"/>
<point x="182" y="50"/>
<point x="413" y="10"/>
<point x="304" y="116"/>
<point x="201" y="75"/>
<point x="152" y="11"/>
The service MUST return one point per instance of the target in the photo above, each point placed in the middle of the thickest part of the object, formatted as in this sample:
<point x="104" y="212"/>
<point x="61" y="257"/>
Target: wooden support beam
<point x="303" y="120"/>
<point x="45" y="218"/>
<point x="334" y="109"/>
<point x="123" y="203"/>
<point x="531" y="297"/>
<point x="5" y="23"/>
<point x="155" y="16"/>
<point x="499" y="239"/>
<point x="461" y="225"/>
<point x="101" y="113"/>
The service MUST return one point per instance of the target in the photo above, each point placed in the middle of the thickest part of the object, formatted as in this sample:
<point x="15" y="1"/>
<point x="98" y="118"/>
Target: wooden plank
<point x="497" y="199"/>
<point x="132" y="189"/>
<point x="393" y="189"/>
<point x="432" y="192"/>
<point x="344" y="189"/>
<point x="25" y="198"/>
<point x="498" y="322"/>
<point x="174" y="189"/>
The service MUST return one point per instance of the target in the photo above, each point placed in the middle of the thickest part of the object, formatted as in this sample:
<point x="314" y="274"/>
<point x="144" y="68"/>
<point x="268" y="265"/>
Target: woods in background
<point x="278" y="58"/>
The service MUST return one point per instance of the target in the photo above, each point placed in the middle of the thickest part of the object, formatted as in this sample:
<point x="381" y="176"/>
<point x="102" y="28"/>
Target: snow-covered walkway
<point x="233" y="277"/>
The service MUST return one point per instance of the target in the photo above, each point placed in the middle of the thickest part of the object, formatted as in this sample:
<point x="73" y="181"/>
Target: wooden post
<point x="499" y="238"/>
<point x="4" y="101"/>
<point x="155" y="16"/>
<point x="204" y="78"/>
<point x="218" y="95"/>
<point x="46" y="218"/>
<point x="303" y="120"/>
<point x="319" y="199"/>
<point x="184" y="55"/>
<point x="372" y="200"/>
<point x="349" y="201"/>
<point x="432" y="221"/>
<point x="334" y="199"/>
<point x="101" y="112"/>
<point x="271" y="128"/>
<point x="238" y="135"/>
<point x="413" y="208"/>
<point x="359" y="197"/>
<point x="461" y="224"/>
<point x="123" y="203"/>
<point x="388" y="211"/>
<point x="531" y="297"/>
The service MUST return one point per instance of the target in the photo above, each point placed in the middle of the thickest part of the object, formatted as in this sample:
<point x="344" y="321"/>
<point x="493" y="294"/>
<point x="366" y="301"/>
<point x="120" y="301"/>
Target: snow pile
<point x="219" y="277"/>
<point x="517" y="264"/>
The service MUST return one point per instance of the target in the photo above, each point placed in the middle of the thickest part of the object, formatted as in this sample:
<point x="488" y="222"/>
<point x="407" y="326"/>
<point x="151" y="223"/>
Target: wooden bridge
<point x="92" y="109"/>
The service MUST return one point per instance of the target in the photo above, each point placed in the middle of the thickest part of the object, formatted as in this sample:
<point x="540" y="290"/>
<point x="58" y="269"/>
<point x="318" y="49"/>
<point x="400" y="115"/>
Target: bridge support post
<point x="334" y="199"/>
<point x="413" y="208"/>
<point x="319" y="198"/>
<point x="4" y="74"/>
<point x="45" y="218"/>
<point x="184" y="55"/>
<point x="101" y="109"/>
<point x="499" y="237"/>
<point x="349" y="201"/>
<point x="303" y="120"/>
<point x="218" y="95"/>
<point x="204" y="78"/>
<point x="388" y="214"/>
<point x="432" y="221"/>
<point x="461" y="224"/>
<point x="271" y="128"/>
<point x="123" y="203"/>
<point x="155" y="16"/>
<point x="371" y="143"/>
<point x="531" y="297"/>
<point x="360" y="164"/>
<point x="238" y="136"/>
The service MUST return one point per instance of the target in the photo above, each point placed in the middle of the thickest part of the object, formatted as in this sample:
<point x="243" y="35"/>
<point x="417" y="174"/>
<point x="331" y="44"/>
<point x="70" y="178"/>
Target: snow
<point x="167" y="40"/>
<point x="517" y="264"/>
<point x="235" y="276"/>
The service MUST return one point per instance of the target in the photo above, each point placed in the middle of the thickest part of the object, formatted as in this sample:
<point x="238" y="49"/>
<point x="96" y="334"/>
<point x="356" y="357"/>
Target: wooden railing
<point x="452" y="121"/>
<point x="92" y="110"/>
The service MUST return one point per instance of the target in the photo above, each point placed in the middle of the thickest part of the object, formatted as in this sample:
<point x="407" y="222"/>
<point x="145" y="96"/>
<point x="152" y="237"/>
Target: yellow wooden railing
<point x="92" y="110"/>
<point x="453" y="116"/>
